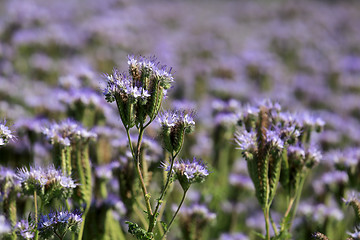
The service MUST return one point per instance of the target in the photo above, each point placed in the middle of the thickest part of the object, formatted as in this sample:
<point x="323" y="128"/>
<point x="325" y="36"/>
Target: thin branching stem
<point x="160" y="199"/>
<point x="136" y="157"/>
<point x="177" y="211"/>
<point x="36" y="216"/>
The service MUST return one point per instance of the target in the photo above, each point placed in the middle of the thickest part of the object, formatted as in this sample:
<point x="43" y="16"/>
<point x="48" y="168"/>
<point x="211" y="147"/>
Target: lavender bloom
<point x="174" y="124"/>
<point x="188" y="172"/>
<point x="25" y="229"/>
<point x="355" y="235"/>
<point x="173" y="118"/>
<point x="246" y="141"/>
<point x="62" y="217"/>
<point x="4" y="226"/>
<point x="48" y="182"/>
<point x="67" y="131"/>
<point x="132" y="86"/>
<point x="60" y="222"/>
<point x="273" y="138"/>
<point x="5" y="134"/>
<point x="352" y="198"/>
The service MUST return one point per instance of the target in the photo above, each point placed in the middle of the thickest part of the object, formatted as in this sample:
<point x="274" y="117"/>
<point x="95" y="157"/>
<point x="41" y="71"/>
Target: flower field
<point x="191" y="120"/>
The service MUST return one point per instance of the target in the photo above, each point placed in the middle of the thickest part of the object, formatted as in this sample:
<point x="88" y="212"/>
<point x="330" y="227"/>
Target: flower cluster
<point x="188" y="172"/>
<point x="174" y="124"/>
<point x="47" y="182"/>
<point x="265" y="135"/>
<point x="25" y="229"/>
<point x="5" y="134"/>
<point x="66" y="132"/>
<point x="59" y="222"/>
<point x="139" y="92"/>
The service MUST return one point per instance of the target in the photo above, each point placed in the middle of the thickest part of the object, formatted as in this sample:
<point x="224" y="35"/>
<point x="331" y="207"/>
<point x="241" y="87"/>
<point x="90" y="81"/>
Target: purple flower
<point x="355" y="235"/>
<point x="66" y="132"/>
<point x="25" y="229"/>
<point x="5" y="134"/>
<point x="48" y="182"/>
<point x="246" y="141"/>
<point x="59" y="221"/>
<point x="134" y="85"/>
<point x="173" y="118"/>
<point x="188" y="172"/>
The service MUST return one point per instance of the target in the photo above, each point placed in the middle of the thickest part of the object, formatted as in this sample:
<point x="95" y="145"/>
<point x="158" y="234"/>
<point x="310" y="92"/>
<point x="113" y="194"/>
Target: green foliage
<point x="138" y="232"/>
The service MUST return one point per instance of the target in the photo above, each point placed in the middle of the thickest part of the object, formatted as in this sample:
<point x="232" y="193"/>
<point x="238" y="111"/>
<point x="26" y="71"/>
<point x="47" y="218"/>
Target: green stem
<point x="266" y="216"/>
<point x="160" y="199"/>
<point x="60" y="237"/>
<point x="273" y="225"/>
<point x="36" y="216"/>
<point x="136" y="157"/>
<point x="298" y="195"/>
<point x="177" y="211"/>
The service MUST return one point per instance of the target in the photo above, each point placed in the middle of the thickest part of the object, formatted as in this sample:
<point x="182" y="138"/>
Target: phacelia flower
<point x="174" y="124"/>
<point x="138" y="93"/>
<point x="47" y="182"/>
<point x="188" y="172"/>
<point x="66" y="132"/>
<point x="60" y="222"/>
<point x="246" y="141"/>
<point x="355" y="235"/>
<point x="25" y="229"/>
<point x="5" y="134"/>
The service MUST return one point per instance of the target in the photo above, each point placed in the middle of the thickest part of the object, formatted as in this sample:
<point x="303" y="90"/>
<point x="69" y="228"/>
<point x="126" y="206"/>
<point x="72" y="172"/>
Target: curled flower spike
<point x="5" y="134"/>
<point x="174" y="125"/>
<point x="47" y="182"/>
<point x="188" y="172"/>
<point x="138" y="93"/>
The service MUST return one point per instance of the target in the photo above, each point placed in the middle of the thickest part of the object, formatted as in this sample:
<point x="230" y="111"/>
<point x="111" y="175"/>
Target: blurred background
<point x="224" y="54"/>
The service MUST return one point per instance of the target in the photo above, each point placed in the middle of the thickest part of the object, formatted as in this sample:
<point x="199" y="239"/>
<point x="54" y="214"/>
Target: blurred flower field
<point x="226" y="120"/>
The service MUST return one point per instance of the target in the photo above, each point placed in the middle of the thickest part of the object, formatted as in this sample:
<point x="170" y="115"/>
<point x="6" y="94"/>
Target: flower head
<point x="245" y="140"/>
<point x="174" y="124"/>
<point x="48" y="182"/>
<point x="25" y="229"/>
<point x="59" y="221"/>
<point x="138" y="93"/>
<point x="188" y="172"/>
<point x="66" y="132"/>
<point x="5" y="134"/>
